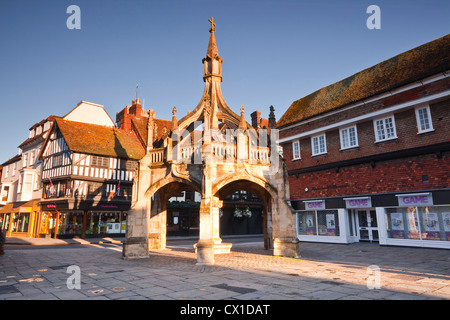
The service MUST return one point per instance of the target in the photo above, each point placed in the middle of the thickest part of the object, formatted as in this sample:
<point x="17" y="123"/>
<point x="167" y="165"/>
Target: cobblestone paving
<point x="324" y="271"/>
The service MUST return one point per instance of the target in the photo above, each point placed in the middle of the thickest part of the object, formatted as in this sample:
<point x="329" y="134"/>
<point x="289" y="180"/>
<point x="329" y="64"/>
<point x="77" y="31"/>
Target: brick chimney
<point x="136" y="108"/>
<point x="256" y="119"/>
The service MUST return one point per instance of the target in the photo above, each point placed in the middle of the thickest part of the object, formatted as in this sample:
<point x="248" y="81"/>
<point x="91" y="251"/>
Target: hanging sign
<point x="415" y="199"/>
<point x="356" y="203"/>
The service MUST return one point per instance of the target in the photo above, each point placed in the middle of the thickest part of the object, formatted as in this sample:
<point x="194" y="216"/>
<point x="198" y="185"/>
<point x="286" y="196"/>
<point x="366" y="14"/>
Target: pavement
<point x="41" y="269"/>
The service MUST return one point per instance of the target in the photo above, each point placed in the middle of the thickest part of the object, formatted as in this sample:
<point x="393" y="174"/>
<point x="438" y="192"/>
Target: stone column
<point x="205" y="245"/>
<point x="158" y="223"/>
<point x="136" y="243"/>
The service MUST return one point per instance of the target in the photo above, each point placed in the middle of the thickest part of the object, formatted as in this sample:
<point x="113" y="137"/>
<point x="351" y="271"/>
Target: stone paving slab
<point x="324" y="272"/>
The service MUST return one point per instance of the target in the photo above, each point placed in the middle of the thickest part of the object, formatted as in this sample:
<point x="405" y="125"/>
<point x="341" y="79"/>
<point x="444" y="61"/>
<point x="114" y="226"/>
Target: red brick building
<point x="369" y="156"/>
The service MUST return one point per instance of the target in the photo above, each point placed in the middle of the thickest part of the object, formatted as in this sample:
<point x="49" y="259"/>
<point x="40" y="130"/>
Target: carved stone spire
<point x="212" y="61"/>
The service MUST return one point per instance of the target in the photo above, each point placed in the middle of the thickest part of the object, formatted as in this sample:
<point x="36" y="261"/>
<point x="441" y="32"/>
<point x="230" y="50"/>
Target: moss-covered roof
<point x="410" y="66"/>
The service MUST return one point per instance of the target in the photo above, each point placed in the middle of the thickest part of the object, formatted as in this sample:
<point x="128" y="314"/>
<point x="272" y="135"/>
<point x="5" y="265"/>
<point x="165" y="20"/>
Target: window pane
<point x="424" y="120"/>
<point x="322" y="144"/>
<point x="352" y="136"/>
<point x="315" y="145"/>
<point x="402" y="223"/>
<point x="296" y="149"/>
<point x="307" y="223"/>
<point x="380" y="130"/>
<point x="328" y="223"/>
<point x="389" y="128"/>
<point x="344" y="137"/>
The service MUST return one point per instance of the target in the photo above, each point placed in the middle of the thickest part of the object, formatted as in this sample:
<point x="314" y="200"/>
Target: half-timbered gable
<point x="83" y="160"/>
<point x="57" y="157"/>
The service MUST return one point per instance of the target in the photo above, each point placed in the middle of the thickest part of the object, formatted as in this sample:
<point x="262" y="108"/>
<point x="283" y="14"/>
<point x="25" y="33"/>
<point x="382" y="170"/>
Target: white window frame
<point x="341" y="136"/>
<point x="430" y="122"/>
<point x="296" y="143"/>
<point x="384" y="120"/>
<point x="25" y="160"/>
<point x="318" y="144"/>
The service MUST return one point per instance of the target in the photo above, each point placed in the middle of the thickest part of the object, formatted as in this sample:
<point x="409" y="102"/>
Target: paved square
<point x="324" y="272"/>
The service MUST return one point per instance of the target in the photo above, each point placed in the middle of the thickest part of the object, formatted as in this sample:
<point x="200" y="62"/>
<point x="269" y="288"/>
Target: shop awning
<point x="28" y="206"/>
<point x="6" y="208"/>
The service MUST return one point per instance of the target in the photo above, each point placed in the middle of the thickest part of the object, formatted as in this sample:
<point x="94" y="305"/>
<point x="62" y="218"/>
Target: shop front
<point x="417" y="221"/>
<point x="19" y="219"/>
<point x="420" y="219"/>
<point x="66" y="219"/>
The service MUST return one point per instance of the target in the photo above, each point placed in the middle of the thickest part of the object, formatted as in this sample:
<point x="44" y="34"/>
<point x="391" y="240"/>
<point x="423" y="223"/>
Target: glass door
<point x="367" y="225"/>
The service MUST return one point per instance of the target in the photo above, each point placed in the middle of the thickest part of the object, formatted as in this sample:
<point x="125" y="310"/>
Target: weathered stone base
<point x="286" y="247"/>
<point x="219" y="248"/>
<point x="135" y="248"/>
<point x="205" y="253"/>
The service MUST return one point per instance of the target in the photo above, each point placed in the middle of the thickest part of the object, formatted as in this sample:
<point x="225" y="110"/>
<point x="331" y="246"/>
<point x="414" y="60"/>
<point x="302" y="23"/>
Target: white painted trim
<point x="378" y="113"/>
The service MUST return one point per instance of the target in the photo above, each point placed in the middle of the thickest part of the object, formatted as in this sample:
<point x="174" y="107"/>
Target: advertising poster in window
<point x="309" y="220"/>
<point x="397" y="225"/>
<point x="331" y="225"/>
<point x="413" y="223"/>
<point x="446" y="219"/>
<point x="431" y="222"/>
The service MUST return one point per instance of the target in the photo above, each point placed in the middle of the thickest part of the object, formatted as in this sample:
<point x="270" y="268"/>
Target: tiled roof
<point x="100" y="140"/>
<point x="410" y="66"/>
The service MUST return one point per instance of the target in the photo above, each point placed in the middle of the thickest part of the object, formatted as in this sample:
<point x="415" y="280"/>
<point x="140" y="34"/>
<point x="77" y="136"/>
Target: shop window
<point x="21" y="222"/>
<point x="71" y="223"/>
<point x="321" y="222"/>
<point x="384" y="129"/>
<point x="423" y="118"/>
<point x="419" y="223"/>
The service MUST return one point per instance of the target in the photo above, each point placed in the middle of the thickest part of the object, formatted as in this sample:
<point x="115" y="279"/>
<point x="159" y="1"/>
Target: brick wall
<point x="407" y="137"/>
<point x="408" y="174"/>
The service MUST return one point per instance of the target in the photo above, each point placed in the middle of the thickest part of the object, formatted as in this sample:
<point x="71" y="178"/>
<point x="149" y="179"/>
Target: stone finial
<point x="174" y="119"/>
<point x="272" y="120"/>
<point x="150" y="129"/>
<point x="242" y="122"/>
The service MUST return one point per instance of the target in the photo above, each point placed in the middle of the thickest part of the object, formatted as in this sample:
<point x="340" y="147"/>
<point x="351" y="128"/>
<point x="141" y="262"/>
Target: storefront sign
<point x="50" y="206"/>
<point x="356" y="203"/>
<point x="415" y="200"/>
<point x="315" y="205"/>
<point x="108" y="206"/>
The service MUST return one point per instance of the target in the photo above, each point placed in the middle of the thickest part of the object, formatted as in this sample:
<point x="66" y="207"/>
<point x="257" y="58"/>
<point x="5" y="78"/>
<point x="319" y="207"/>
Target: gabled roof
<point x="410" y="66"/>
<point x="12" y="160"/>
<point x="99" y="140"/>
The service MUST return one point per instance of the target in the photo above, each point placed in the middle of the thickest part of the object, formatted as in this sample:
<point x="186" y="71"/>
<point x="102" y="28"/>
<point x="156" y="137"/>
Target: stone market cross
<point x="214" y="152"/>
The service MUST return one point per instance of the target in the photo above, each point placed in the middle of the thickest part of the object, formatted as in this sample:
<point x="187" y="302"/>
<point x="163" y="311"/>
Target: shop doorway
<point x="367" y="225"/>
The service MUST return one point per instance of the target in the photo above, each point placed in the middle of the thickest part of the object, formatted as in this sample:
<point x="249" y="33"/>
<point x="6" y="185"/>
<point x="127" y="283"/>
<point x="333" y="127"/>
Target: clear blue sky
<point x="274" y="52"/>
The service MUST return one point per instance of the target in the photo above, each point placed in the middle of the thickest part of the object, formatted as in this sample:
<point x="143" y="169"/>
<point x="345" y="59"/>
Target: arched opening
<point x="172" y="215"/>
<point x="245" y="195"/>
